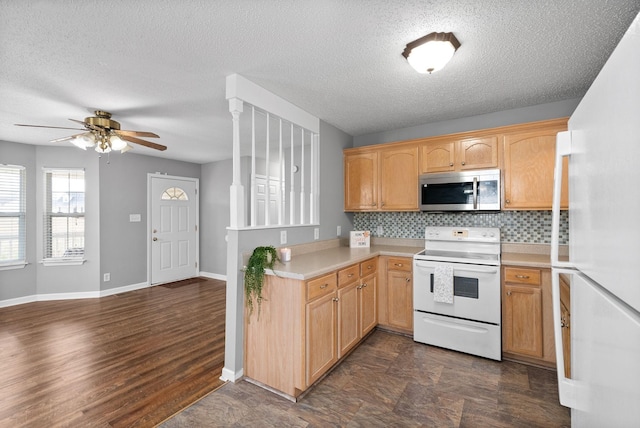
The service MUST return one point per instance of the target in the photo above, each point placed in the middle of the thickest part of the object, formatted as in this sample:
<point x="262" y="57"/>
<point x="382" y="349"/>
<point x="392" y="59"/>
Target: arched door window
<point x="175" y="194"/>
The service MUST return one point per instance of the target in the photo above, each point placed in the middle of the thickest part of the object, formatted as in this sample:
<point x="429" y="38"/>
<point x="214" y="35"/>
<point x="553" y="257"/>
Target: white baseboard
<point x="132" y="287"/>
<point x="18" y="301"/>
<point x="230" y="375"/>
<point x="71" y="296"/>
<point x="213" y="276"/>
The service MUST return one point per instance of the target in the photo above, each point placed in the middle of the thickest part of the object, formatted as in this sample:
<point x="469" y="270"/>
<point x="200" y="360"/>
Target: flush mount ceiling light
<point x="431" y="52"/>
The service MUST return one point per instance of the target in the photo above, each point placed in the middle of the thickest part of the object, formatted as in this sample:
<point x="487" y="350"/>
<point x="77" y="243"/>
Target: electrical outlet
<point x="107" y="277"/>
<point x="339" y="232"/>
<point x="316" y="233"/>
<point x="283" y="236"/>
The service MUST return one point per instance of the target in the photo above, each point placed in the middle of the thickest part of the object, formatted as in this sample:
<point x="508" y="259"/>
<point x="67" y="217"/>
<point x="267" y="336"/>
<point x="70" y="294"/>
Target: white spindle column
<point x="236" y="193"/>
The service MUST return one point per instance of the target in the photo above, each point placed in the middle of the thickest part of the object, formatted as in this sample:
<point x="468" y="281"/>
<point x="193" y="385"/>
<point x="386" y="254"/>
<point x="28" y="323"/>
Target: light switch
<point x="134" y="218"/>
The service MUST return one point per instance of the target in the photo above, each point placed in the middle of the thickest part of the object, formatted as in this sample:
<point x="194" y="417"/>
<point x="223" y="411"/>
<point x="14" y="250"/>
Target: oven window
<point x="462" y="286"/>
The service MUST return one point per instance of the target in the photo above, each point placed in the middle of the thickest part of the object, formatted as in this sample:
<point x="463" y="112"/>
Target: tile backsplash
<point x="515" y="226"/>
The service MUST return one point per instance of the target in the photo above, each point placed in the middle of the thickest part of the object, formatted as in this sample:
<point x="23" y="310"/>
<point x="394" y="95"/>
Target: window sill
<point x="20" y="265"/>
<point x="63" y="262"/>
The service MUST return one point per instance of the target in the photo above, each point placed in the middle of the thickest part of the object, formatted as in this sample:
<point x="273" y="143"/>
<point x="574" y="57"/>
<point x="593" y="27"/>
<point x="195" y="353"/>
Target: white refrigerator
<point x="603" y="147"/>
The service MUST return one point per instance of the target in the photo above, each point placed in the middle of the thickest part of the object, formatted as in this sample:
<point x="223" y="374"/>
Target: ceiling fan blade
<point x="58" y="140"/>
<point x="143" y="142"/>
<point x="44" y="126"/>
<point x="87" y="125"/>
<point x="137" y="133"/>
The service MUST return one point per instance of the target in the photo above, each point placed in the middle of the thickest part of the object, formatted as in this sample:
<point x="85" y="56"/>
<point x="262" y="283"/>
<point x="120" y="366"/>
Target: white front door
<point x="174" y="229"/>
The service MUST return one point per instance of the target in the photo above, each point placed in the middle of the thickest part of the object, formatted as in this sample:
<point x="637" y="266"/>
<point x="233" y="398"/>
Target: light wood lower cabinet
<point x="565" y="315"/>
<point x="527" y="317"/>
<point x="322" y="338"/>
<point x="303" y="328"/>
<point x="396" y="294"/>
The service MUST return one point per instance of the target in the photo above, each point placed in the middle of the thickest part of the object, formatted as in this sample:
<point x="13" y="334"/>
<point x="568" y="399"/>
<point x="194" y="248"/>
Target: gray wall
<point x="123" y="191"/>
<point x="472" y="123"/>
<point x="214" y="216"/>
<point x="16" y="283"/>
<point x="112" y="244"/>
<point x="70" y="279"/>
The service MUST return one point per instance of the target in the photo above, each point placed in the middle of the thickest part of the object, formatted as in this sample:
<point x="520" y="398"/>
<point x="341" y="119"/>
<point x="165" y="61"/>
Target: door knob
<point x="155" y="238"/>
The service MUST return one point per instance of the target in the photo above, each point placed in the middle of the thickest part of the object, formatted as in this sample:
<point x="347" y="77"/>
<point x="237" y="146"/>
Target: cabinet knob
<point x="364" y="285"/>
<point x="359" y="287"/>
<point x="522" y="276"/>
<point x="463" y="162"/>
<point x="508" y="293"/>
<point x="335" y="299"/>
<point x="507" y="201"/>
<point x="450" y="163"/>
<point x="323" y="286"/>
<point x="408" y="279"/>
<point x="398" y="264"/>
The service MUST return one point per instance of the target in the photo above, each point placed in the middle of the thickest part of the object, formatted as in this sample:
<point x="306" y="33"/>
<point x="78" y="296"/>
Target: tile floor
<point x="391" y="381"/>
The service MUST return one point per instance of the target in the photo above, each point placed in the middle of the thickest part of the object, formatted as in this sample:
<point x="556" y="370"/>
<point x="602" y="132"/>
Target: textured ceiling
<point x="160" y="65"/>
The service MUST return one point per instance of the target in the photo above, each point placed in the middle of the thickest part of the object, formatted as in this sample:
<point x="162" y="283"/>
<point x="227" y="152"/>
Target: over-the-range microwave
<point x="460" y="191"/>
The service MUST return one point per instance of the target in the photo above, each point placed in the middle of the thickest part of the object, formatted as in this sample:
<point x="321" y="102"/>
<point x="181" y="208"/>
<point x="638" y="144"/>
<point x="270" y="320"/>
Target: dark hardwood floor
<point x="127" y="360"/>
<point x="392" y="381"/>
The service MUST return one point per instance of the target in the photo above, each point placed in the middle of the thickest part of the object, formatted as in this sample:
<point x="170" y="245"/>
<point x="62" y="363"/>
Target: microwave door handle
<point x="475" y="193"/>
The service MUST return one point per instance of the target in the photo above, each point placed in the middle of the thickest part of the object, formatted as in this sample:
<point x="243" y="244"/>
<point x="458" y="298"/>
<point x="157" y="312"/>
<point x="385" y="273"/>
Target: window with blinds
<point x="12" y="215"/>
<point x="64" y="211"/>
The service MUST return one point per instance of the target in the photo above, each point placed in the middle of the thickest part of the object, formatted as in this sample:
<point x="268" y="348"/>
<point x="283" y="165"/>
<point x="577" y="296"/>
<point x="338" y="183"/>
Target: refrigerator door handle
<point x="563" y="148"/>
<point x="567" y="388"/>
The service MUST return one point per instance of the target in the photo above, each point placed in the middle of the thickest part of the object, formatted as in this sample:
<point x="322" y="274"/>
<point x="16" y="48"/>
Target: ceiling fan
<point x="105" y="134"/>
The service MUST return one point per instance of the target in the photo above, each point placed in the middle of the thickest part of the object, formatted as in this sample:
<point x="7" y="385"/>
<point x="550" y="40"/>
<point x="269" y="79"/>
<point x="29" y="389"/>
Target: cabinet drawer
<point x="399" y="263"/>
<point x="368" y="267"/>
<point x="348" y="275"/>
<point x="321" y="286"/>
<point x="522" y="276"/>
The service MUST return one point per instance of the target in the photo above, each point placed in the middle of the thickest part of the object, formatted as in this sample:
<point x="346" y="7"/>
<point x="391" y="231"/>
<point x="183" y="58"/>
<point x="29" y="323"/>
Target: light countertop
<point x="313" y="264"/>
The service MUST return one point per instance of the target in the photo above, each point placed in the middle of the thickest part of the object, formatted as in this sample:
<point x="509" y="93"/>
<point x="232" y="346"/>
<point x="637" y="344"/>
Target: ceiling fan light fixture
<point x="116" y="142"/>
<point x="103" y="147"/>
<point x="84" y="141"/>
<point x="431" y="52"/>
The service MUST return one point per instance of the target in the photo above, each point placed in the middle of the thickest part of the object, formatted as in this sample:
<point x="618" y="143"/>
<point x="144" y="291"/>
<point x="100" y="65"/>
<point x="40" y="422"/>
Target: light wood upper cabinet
<point x="399" y="179"/>
<point x="381" y="180"/>
<point x="478" y="153"/>
<point x="361" y="181"/>
<point x="459" y="155"/>
<point x="437" y="157"/>
<point x="529" y="161"/>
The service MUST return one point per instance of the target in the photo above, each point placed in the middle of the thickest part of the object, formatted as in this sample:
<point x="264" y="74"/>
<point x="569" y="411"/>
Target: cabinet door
<point x="399" y="179"/>
<point x="322" y="343"/>
<point x="523" y="320"/>
<point x="400" y="299"/>
<point x="477" y="153"/>
<point x="437" y="157"/>
<point x="368" y="304"/>
<point x="529" y="161"/>
<point x="348" y="325"/>
<point x="361" y="181"/>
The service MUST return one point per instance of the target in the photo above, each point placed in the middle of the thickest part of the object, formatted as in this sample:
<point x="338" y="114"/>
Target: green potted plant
<point x="262" y="258"/>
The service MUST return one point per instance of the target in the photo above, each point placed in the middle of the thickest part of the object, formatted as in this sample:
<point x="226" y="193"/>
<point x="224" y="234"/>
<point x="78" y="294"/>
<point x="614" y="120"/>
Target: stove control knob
<point x="492" y="234"/>
<point x="484" y="234"/>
